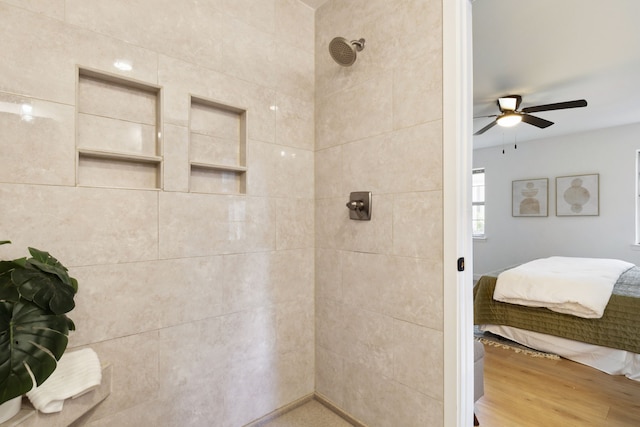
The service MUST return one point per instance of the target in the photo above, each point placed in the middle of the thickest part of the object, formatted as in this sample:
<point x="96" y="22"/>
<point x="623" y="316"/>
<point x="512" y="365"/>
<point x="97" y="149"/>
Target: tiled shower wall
<point x="203" y="303"/>
<point x="379" y="284"/>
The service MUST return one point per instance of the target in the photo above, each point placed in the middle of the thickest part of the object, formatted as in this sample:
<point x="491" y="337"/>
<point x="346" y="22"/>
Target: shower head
<point x="343" y="51"/>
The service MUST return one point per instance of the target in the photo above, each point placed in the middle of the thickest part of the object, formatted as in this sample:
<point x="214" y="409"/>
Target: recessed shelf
<point x="217" y="147"/>
<point x="132" y="157"/>
<point x="118" y="139"/>
<point x="218" y="167"/>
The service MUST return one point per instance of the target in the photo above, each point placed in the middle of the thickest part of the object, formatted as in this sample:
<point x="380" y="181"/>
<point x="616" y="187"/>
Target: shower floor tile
<point x="311" y="414"/>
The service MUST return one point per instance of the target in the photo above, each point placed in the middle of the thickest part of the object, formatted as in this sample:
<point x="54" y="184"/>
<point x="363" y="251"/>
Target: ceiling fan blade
<point x="556" y="106"/>
<point x="483" y="117"/>
<point x="486" y="128"/>
<point x="536" y="121"/>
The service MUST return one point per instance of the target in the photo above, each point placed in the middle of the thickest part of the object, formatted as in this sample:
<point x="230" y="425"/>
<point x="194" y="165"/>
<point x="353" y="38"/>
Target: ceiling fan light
<point x="508" y="103"/>
<point x="509" y="119"/>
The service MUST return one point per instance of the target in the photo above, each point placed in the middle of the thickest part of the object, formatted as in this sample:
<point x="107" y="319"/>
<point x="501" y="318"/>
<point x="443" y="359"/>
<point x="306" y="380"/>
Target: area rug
<point x="487" y="338"/>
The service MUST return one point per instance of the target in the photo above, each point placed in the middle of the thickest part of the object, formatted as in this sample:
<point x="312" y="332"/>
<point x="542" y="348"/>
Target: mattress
<point x="605" y="359"/>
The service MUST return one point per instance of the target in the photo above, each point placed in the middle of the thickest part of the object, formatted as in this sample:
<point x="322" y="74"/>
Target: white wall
<point x="510" y="240"/>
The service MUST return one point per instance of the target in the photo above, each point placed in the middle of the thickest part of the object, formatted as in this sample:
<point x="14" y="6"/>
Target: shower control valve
<point x="355" y="205"/>
<point x="359" y="205"/>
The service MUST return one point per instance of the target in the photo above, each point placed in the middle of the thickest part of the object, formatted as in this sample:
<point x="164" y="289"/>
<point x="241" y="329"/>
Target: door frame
<point x="457" y="242"/>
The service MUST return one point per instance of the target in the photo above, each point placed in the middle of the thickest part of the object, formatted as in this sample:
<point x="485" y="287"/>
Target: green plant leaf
<point x="29" y="336"/>
<point x="4" y="242"/>
<point x="44" y="289"/>
<point x="44" y="261"/>
<point x="8" y="290"/>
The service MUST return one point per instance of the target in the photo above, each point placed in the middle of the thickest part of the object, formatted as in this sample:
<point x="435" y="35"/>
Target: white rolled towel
<point x="77" y="373"/>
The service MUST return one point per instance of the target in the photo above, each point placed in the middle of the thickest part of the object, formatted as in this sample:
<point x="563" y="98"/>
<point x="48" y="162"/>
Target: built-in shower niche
<point x="118" y="139"/>
<point x="217" y="147"/>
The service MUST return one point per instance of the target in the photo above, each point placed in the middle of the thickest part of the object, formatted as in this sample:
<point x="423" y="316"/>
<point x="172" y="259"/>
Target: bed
<point x="610" y="343"/>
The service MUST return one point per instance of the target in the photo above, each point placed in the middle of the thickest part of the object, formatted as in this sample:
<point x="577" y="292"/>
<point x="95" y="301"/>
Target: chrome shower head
<point x="343" y="51"/>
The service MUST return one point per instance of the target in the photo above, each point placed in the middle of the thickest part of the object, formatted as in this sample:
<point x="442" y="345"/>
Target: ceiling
<point x="551" y="51"/>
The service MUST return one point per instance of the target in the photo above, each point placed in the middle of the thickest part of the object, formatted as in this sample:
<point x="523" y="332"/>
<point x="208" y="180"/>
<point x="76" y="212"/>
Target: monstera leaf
<point x="46" y="282"/>
<point x="31" y="339"/>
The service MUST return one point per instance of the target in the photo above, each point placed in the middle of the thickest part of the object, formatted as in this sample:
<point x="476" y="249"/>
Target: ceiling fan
<point x="510" y="115"/>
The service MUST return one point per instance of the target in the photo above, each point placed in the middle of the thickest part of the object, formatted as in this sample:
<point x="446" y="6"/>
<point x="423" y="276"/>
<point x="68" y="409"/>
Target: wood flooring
<point x="522" y="391"/>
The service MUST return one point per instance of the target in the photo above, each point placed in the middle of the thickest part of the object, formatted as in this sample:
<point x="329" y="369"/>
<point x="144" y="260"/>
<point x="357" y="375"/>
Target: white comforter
<point x="578" y="286"/>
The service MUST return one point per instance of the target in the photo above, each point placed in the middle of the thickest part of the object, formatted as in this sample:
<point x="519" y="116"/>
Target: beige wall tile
<point x="400" y="161"/>
<point x="295" y="24"/>
<point x="99" y="97"/>
<point x="335" y="230"/>
<point x="81" y="226"/>
<point x="135" y="378"/>
<point x="114" y="301"/>
<point x="42" y="132"/>
<point x="198" y="224"/>
<point x="368" y="339"/>
<point x="175" y="151"/>
<point x="52" y="8"/>
<point x="417" y="225"/>
<point x="260" y="15"/>
<point x="251" y="391"/>
<point x="391" y="267"/>
<point x="406" y="288"/>
<point x="329" y="267"/>
<point x="360" y="112"/>
<point x="189" y="289"/>
<point x="330" y="329"/>
<point x="208" y="149"/>
<point x="149" y="412"/>
<point x="188" y="352"/>
<point x="414" y="344"/>
<point x="278" y="171"/>
<point x="189" y="29"/>
<point x="181" y="79"/>
<point x="330" y="376"/>
<point x="248" y="281"/>
<point x="380" y="401"/>
<point x="261" y="279"/>
<point x="109" y="173"/>
<point x="294" y="122"/>
<point x="295" y="71"/>
<point x="417" y="91"/>
<point x="39" y="65"/>
<point x="294" y="223"/>
<point x="103" y="133"/>
<point x="295" y="374"/>
<point x="214" y="121"/>
<point x="248" y="53"/>
<point x="295" y="326"/>
<point x="328" y="173"/>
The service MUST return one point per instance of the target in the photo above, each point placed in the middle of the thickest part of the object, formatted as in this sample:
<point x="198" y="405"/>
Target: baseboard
<point x="297" y="403"/>
<point x="336" y="409"/>
<point x="281" y="411"/>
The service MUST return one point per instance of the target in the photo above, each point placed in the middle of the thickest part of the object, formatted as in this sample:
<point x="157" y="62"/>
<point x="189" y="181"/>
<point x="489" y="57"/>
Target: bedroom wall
<point x="510" y="240"/>
<point x="202" y="303"/>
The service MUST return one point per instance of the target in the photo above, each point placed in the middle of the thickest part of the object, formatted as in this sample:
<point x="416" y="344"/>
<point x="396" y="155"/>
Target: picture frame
<point x="578" y="195"/>
<point x="530" y="197"/>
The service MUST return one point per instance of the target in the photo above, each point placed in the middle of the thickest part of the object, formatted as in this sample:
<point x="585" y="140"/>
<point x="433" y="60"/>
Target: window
<point x="477" y="202"/>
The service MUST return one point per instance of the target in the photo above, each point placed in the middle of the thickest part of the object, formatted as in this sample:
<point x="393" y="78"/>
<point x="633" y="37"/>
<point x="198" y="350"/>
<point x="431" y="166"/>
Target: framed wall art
<point x="530" y="197"/>
<point x="578" y="195"/>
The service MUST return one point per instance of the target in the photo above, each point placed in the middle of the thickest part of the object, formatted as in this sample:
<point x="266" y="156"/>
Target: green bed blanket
<point x="619" y="327"/>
